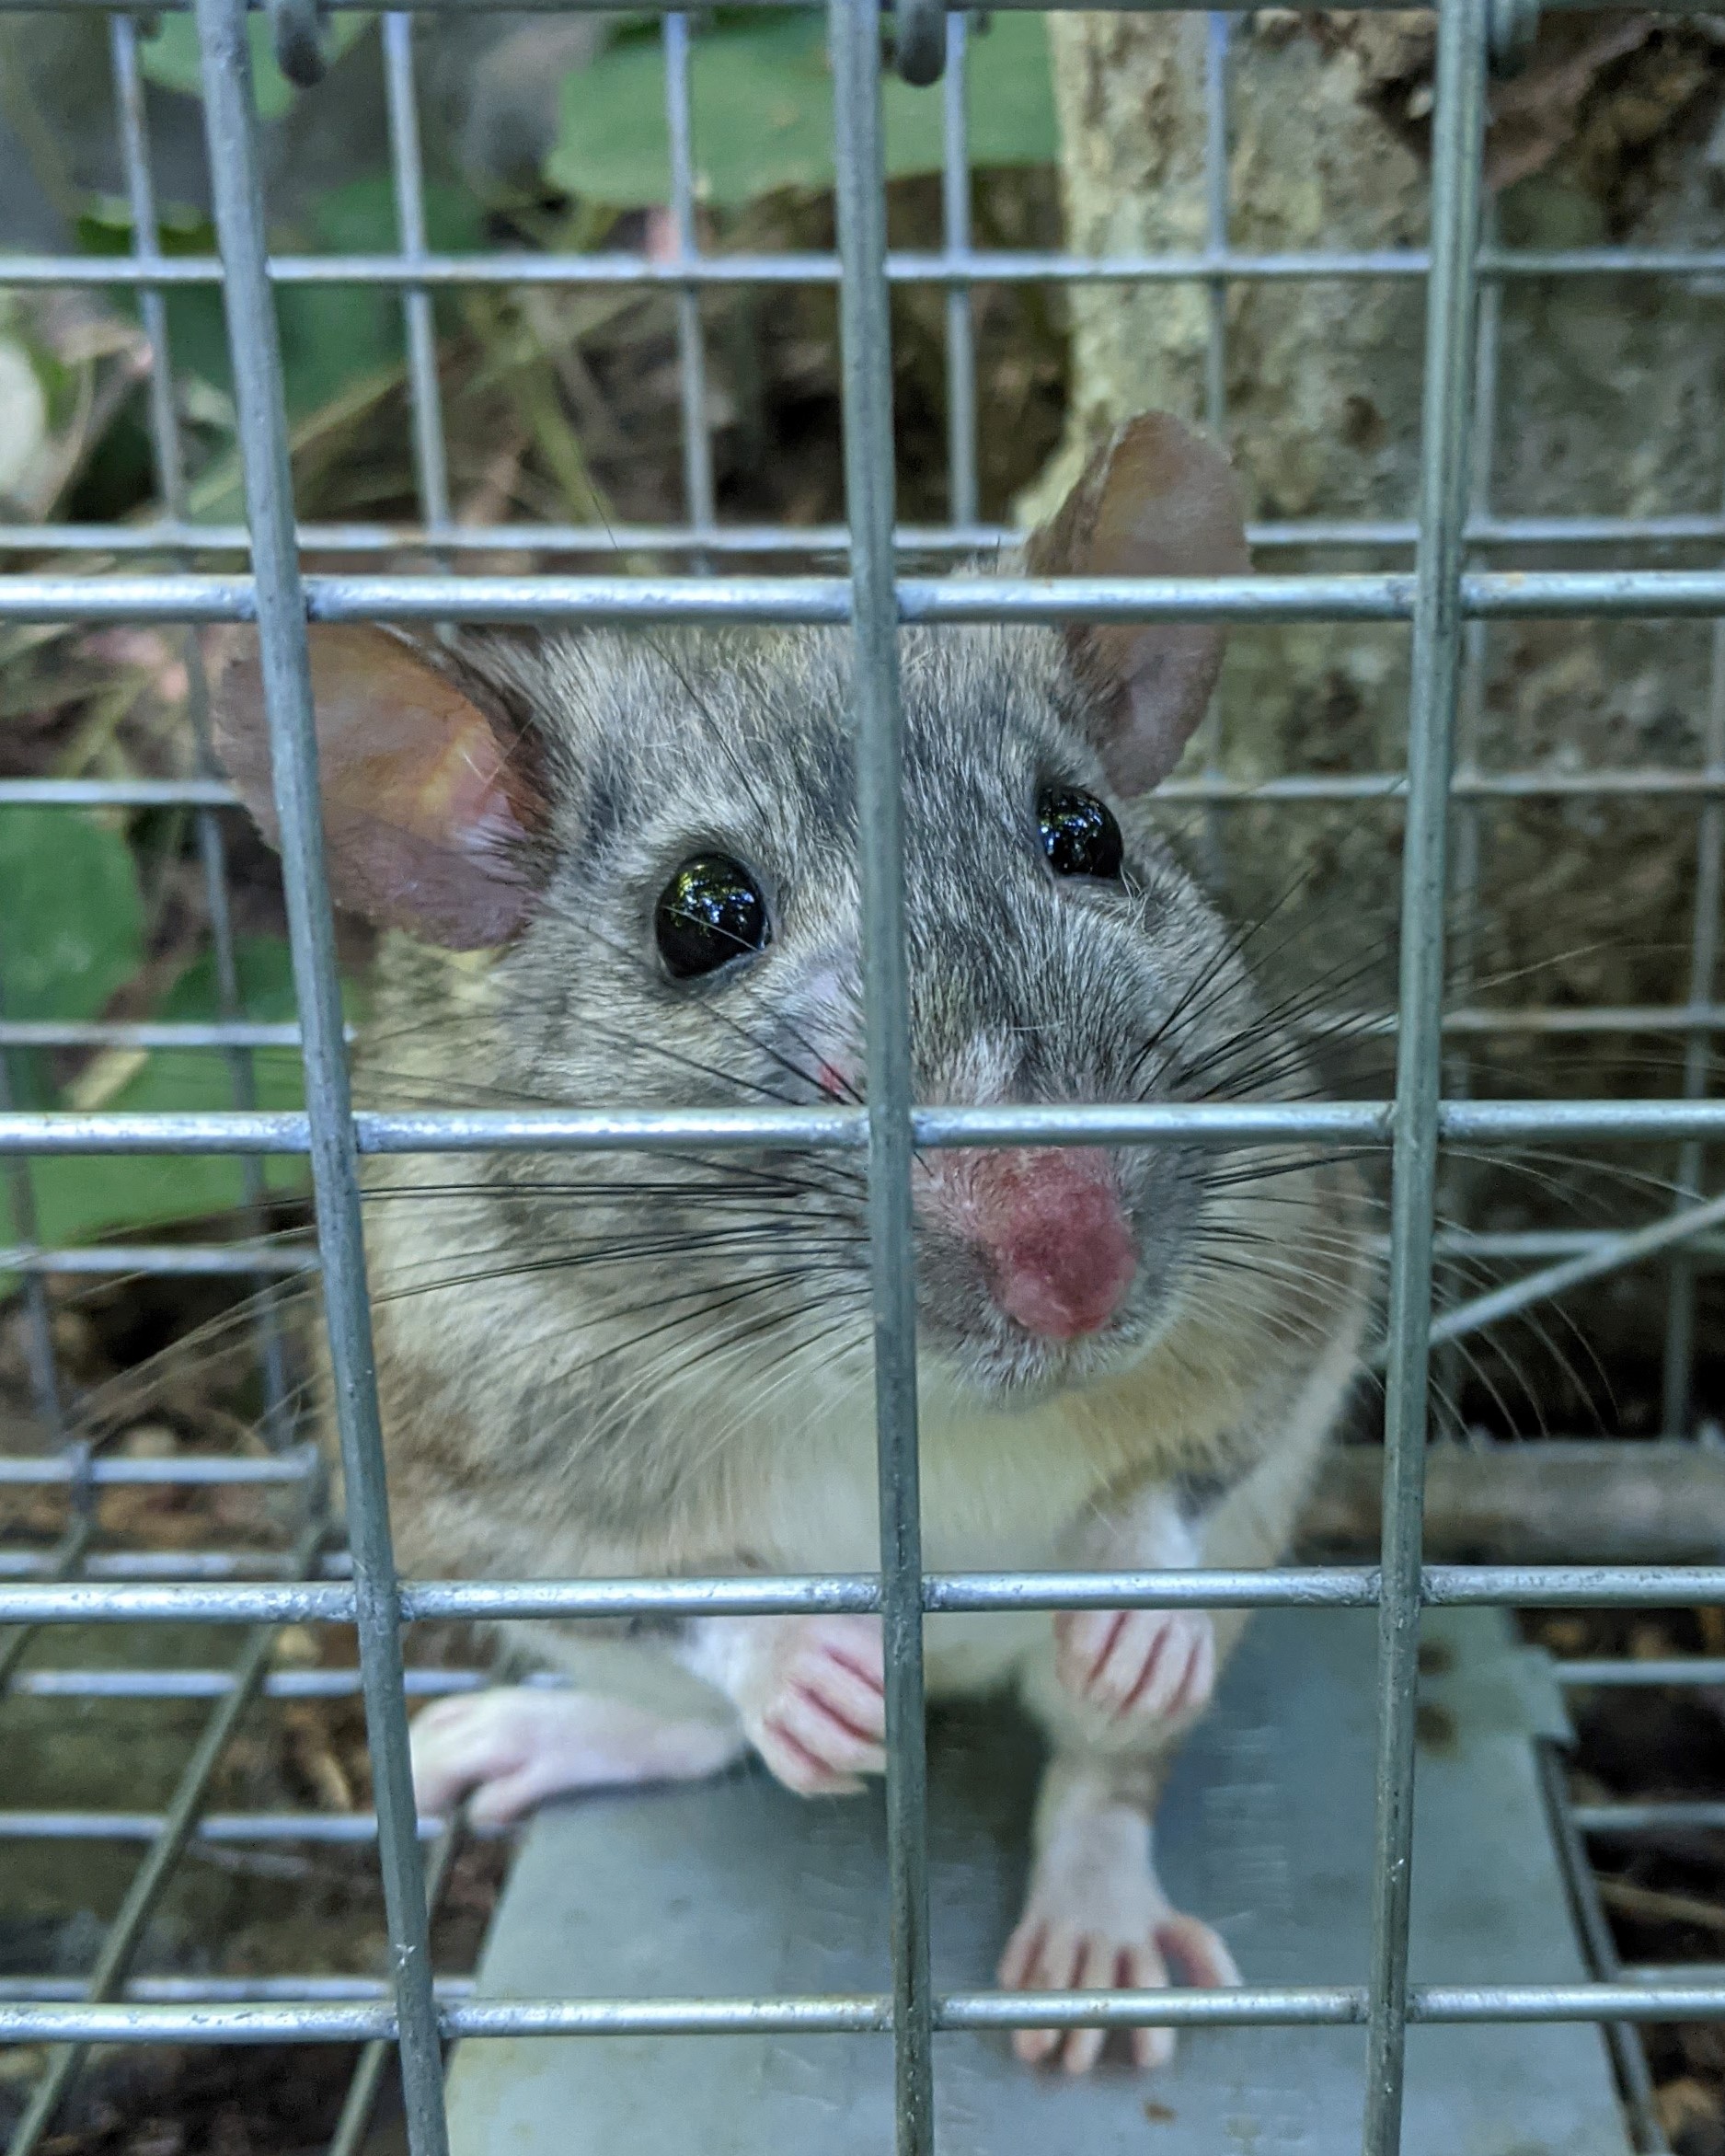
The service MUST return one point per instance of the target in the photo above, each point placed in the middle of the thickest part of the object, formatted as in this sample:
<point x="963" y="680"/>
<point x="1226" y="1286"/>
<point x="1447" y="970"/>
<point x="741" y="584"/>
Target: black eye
<point x="710" y="912"/>
<point x="1079" y="836"/>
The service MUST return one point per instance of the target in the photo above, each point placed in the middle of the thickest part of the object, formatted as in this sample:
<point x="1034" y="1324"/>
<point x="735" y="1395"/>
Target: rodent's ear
<point x="1155" y="500"/>
<point x="427" y="807"/>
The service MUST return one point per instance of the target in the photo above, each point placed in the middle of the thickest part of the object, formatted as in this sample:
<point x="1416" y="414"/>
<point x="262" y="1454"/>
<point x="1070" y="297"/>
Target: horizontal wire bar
<point x="125" y="793"/>
<point x="1660" y="1817"/>
<point x="1486" y="595"/>
<point x="221" y="1990"/>
<point x="1596" y="1669"/>
<point x="1209" y="1123"/>
<point x="165" y="1259"/>
<point x="1677" y="8"/>
<point x="166" y="536"/>
<point x="281" y="1684"/>
<point x="436" y="1684"/>
<point x="1385" y="786"/>
<point x="343" y="1829"/>
<point x="29" y="1032"/>
<point x="197" y="1037"/>
<point x="296" y="1466"/>
<point x="958" y="266"/>
<point x="471" y="1601"/>
<point x="133" y="1565"/>
<point x="314" y="2020"/>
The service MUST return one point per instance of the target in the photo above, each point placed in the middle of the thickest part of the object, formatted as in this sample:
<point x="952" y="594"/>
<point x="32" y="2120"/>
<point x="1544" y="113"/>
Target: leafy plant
<point x="74" y="913"/>
<point x="171" y="58"/>
<point x="332" y="335"/>
<point x="77" y="1197"/>
<point x="761" y="96"/>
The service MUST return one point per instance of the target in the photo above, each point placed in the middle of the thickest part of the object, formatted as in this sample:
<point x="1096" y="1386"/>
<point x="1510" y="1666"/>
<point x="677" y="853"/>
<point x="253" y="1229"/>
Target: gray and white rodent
<point x="624" y="871"/>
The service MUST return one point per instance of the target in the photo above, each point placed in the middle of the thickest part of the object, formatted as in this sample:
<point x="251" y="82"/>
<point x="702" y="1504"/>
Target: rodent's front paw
<point x="509" y="1749"/>
<point x="1157" y="1664"/>
<point x="814" y="1704"/>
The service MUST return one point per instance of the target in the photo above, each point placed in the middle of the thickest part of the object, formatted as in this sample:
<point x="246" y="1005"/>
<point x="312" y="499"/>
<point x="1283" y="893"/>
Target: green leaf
<point x="762" y="100"/>
<point x="359" y="217"/>
<point x="73" y="912"/>
<point x="171" y="57"/>
<point x="76" y="1199"/>
<point x="332" y="335"/>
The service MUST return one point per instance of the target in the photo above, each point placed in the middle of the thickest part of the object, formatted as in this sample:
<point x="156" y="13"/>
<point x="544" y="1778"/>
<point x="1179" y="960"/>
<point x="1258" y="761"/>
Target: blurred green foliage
<point x="761" y="97"/>
<point x="171" y="58"/>
<point x="75" y="925"/>
<point x="332" y="335"/>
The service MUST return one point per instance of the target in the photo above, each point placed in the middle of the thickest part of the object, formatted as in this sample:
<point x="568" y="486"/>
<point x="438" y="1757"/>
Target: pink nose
<point x="1052" y="1238"/>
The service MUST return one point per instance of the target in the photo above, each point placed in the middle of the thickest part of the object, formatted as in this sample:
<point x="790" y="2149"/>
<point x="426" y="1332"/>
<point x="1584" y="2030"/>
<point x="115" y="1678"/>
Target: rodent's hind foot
<point x="511" y="1747"/>
<point x="1148" y="1665"/>
<point x="1097" y="1920"/>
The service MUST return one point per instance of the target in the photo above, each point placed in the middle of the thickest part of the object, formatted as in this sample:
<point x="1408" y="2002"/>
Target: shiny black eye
<point x="1079" y="835"/>
<point x="710" y="912"/>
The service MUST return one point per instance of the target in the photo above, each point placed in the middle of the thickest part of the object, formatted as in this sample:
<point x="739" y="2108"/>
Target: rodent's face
<point x="698" y="939"/>
<point x="656" y="837"/>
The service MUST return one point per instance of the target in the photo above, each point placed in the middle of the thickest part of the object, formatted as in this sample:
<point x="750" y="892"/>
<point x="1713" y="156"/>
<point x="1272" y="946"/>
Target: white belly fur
<point x="999" y="1492"/>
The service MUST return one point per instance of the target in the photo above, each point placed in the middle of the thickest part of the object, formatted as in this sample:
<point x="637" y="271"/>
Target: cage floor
<point x="737" y="1888"/>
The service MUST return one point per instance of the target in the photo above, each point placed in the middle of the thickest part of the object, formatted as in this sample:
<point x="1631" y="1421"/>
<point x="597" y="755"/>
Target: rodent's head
<point x="657" y="837"/>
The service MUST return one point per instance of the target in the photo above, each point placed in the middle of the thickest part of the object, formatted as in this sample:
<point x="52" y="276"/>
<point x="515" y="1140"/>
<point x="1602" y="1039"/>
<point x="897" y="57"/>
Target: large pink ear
<point x="1155" y="500"/>
<point x="428" y="806"/>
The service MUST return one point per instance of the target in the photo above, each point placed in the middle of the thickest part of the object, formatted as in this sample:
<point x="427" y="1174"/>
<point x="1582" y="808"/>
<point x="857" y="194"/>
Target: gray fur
<point x="541" y="1419"/>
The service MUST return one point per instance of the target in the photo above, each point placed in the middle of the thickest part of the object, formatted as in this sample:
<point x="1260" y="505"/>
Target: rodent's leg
<point x="511" y="1747"/>
<point x="809" y="1691"/>
<point x="1096" y="1917"/>
<point x="1139" y="1666"/>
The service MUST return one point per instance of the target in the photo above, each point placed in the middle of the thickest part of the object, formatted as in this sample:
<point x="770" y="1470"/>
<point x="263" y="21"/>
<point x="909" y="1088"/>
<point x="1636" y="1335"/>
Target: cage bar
<point x="230" y="124"/>
<point x="865" y="356"/>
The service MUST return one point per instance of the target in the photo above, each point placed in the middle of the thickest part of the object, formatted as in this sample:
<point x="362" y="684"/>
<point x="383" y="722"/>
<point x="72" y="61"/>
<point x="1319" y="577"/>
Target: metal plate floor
<point x="737" y="1888"/>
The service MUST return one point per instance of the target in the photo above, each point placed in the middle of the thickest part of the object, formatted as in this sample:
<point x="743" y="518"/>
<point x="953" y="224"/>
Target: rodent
<point x="623" y="869"/>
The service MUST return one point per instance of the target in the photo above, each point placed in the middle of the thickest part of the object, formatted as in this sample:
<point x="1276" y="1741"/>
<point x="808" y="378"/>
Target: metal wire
<point x="867" y="360"/>
<point x="1525" y="596"/>
<point x="953" y="266"/>
<point x="231" y="125"/>
<point x="1255" y="2006"/>
<point x="164" y="535"/>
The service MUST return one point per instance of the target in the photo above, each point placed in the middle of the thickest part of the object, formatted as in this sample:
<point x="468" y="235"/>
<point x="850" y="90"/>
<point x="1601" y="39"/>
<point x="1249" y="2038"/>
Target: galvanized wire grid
<point x="1449" y="601"/>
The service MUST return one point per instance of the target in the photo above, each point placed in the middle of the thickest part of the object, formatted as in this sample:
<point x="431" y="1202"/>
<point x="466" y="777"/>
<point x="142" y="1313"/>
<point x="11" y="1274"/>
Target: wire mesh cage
<point x="1439" y="796"/>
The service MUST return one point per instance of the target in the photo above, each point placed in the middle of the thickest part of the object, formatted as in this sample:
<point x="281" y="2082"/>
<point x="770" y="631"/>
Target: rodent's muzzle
<point x="1047" y="1226"/>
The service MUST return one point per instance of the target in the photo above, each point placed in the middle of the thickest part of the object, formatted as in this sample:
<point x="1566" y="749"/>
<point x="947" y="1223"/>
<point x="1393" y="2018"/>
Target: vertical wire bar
<point x="955" y="202"/>
<point x="119" y="1943"/>
<point x="39" y="1327"/>
<point x="1622" y="2040"/>
<point x="1697" y="1059"/>
<point x="1216" y="221"/>
<point x="855" y="28"/>
<point x="1456" y="144"/>
<point x="1216" y="28"/>
<point x="697" y="443"/>
<point x="1457" y="1178"/>
<point x="368" y="2075"/>
<point x="431" y="460"/>
<point x="231" y="122"/>
<point x="170" y="479"/>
